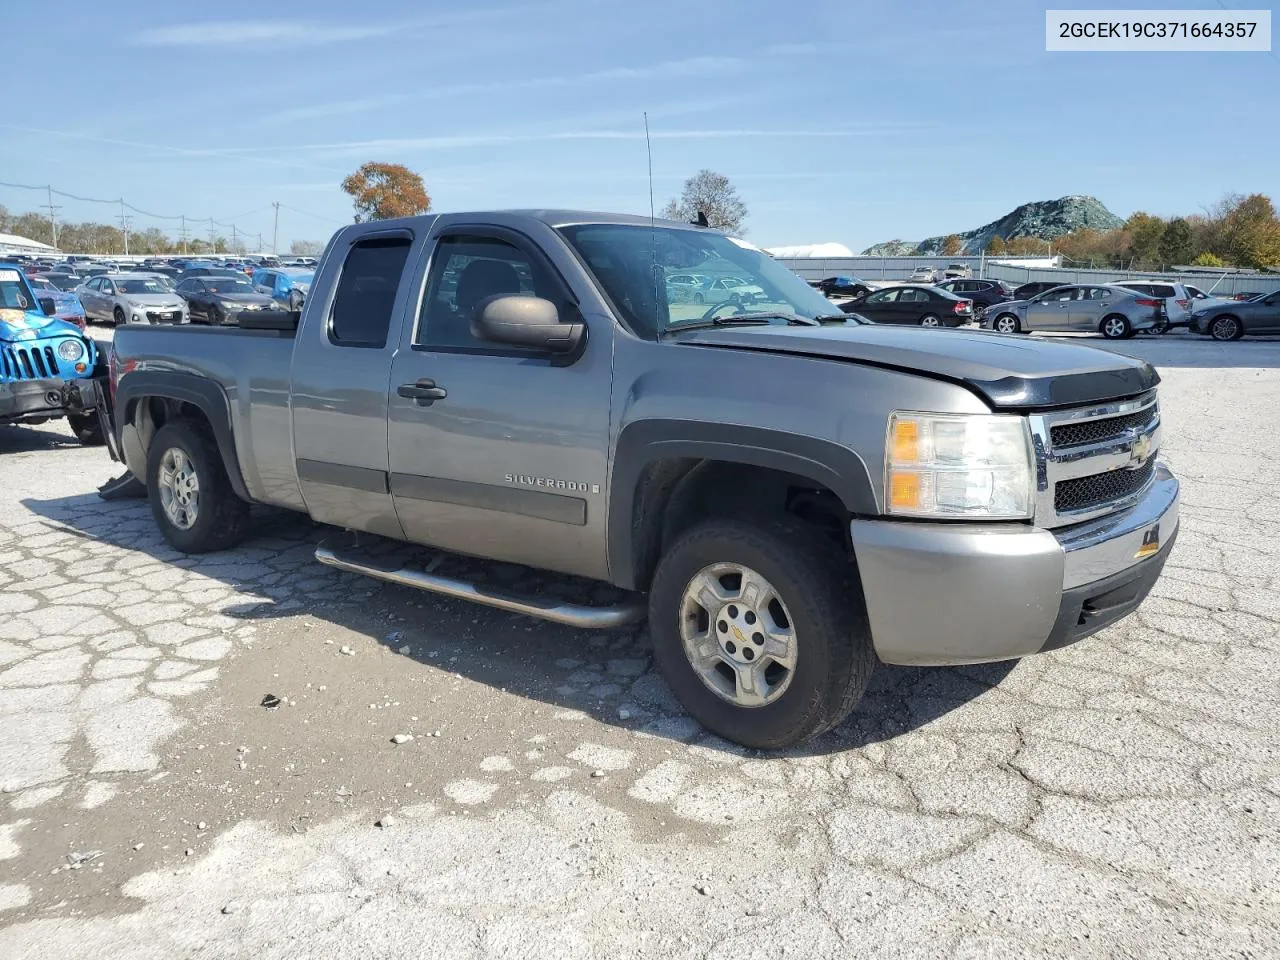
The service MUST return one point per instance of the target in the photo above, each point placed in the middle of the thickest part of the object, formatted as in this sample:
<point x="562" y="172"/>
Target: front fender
<point x="642" y="442"/>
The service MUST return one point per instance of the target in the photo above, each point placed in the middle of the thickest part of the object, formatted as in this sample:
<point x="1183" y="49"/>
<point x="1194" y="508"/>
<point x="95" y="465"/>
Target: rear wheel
<point x="1007" y="323"/>
<point x="760" y="631"/>
<point x="930" y="320"/>
<point x="1116" y="327"/>
<point x="191" y="496"/>
<point x="1226" y="328"/>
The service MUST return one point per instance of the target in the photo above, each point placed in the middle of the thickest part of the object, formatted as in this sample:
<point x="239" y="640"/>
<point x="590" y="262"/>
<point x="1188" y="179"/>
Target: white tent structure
<point x="11" y="243"/>
<point x="814" y="251"/>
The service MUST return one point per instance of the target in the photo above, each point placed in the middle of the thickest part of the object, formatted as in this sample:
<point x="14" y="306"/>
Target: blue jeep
<point x="48" y="368"/>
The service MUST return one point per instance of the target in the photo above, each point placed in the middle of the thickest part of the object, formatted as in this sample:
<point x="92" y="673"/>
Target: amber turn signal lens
<point x="906" y="441"/>
<point x="904" y="490"/>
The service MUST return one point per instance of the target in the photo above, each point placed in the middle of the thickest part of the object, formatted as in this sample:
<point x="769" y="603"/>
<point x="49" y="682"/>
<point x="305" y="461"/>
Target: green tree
<point x="996" y="247"/>
<point x="1251" y="232"/>
<point x="380" y="191"/>
<point x="1207" y="259"/>
<point x="711" y="194"/>
<point x="1176" y="242"/>
<point x="1144" y="232"/>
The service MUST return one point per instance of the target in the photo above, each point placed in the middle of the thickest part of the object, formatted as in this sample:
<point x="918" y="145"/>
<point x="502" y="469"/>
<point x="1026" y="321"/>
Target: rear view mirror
<point x="529" y="322"/>
<point x="48" y="307"/>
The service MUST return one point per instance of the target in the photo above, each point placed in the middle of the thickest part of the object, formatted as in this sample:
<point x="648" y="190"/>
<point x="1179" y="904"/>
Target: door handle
<point x="423" y="391"/>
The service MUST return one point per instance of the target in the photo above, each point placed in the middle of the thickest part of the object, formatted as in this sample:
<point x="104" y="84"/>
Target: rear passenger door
<point x="510" y="459"/>
<point x="1090" y="306"/>
<point x="339" y="379"/>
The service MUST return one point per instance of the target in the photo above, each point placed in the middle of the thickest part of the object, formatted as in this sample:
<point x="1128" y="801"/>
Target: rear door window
<point x="366" y="292"/>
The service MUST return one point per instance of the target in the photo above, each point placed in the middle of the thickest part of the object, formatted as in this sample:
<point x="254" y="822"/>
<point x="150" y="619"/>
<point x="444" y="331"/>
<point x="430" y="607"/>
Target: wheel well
<point x="675" y="493"/>
<point x="149" y="414"/>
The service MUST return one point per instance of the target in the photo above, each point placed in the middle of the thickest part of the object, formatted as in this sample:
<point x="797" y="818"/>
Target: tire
<point x="821" y="602"/>
<point x="930" y="320"/>
<point x="87" y="428"/>
<point x="221" y="518"/>
<point x="119" y="317"/>
<point x="1007" y="323"/>
<point x="1115" y="326"/>
<point x="1226" y="328"/>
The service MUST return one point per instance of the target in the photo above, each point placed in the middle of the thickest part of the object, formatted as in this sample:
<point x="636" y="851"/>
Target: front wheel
<point x="1116" y="327"/>
<point x="1226" y="328"/>
<point x="191" y="496"/>
<point x="87" y="428"/>
<point x="1007" y="323"/>
<point x="118" y="316"/>
<point x="930" y="320"/>
<point x="760" y="630"/>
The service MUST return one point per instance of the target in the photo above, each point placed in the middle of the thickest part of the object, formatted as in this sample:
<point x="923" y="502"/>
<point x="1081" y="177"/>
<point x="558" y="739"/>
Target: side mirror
<point x="529" y="322"/>
<point x="48" y="307"/>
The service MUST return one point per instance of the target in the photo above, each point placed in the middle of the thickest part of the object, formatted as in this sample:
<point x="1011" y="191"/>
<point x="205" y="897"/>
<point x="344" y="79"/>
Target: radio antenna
<point x="649" y="148"/>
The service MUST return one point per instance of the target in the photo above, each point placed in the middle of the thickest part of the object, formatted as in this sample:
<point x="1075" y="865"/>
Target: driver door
<point x="1051" y="310"/>
<point x="879" y="306"/>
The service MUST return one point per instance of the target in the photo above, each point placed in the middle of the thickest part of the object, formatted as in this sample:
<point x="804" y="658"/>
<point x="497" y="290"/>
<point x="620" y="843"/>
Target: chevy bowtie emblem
<point x="1139" y="451"/>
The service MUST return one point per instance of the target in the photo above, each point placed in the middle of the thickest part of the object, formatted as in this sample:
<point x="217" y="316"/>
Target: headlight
<point x="71" y="350"/>
<point x="958" y="465"/>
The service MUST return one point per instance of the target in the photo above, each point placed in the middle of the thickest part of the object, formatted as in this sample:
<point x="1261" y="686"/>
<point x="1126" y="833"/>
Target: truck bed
<point x="249" y="365"/>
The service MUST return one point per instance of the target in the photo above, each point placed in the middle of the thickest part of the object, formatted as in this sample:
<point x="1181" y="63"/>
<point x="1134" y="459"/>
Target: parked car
<point x="1232" y="320"/>
<point x="1114" y="311"/>
<point x="838" y="287"/>
<point x="983" y="293"/>
<point x="64" y="280"/>
<point x="69" y="307"/>
<point x="205" y="270"/>
<point x="1201" y="301"/>
<point x="729" y="289"/>
<point x="131" y="298"/>
<point x="585" y="428"/>
<point x="918" y="305"/>
<point x="923" y="275"/>
<point x="287" y="287"/>
<point x="1177" y="298"/>
<point x="957" y="271"/>
<point x="219" y="300"/>
<point x="686" y="288"/>
<point x="1029" y="290"/>
<point x="48" y="368"/>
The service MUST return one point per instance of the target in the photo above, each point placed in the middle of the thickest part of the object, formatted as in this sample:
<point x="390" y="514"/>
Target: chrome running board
<point x="622" y="614"/>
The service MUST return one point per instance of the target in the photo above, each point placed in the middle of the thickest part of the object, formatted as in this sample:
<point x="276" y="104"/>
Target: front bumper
<point x="962" y="593"/>
<point x="35" y="401"/>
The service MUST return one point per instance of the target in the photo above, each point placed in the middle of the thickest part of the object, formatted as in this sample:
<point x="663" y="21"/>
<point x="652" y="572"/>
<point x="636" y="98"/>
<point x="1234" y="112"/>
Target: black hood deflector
<point x="1009" y="372"/>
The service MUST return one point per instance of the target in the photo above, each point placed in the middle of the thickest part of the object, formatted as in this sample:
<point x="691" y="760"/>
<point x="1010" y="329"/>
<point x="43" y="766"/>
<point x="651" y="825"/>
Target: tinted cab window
<point x="366" y="292"/>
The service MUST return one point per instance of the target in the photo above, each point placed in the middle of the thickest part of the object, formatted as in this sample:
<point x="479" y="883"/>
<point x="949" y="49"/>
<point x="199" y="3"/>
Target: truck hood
<point x="30" y="325"/>
<point x="1008" y="372"/>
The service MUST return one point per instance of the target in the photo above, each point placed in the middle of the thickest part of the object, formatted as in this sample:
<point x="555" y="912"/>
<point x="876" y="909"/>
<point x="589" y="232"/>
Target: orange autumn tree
<point x="380" y="191"/>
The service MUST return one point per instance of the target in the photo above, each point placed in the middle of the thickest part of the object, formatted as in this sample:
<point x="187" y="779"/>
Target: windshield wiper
<point x="761" y="318"/>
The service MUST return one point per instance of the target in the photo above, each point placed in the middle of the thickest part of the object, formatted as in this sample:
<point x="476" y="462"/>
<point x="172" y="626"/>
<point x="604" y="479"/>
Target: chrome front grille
<point x="1092" y="461"/>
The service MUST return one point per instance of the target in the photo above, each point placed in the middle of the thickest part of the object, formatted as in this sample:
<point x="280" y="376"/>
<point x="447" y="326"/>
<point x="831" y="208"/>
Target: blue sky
<point x="850" y="121"/>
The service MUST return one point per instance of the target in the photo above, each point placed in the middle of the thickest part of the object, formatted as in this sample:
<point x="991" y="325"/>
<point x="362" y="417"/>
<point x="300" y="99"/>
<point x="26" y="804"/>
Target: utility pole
<point x="275" y="230"/>
<point x="184" y="234"/>
<point x="233" y="238"/>
<point x="53" y="216"/>
<point x="124" y="227"/>
<point x="212" y="235"/>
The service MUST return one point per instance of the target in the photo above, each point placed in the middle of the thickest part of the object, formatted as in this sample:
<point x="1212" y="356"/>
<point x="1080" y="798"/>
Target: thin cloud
<point x="274" y="33"/>
<point x="687" y="67"/>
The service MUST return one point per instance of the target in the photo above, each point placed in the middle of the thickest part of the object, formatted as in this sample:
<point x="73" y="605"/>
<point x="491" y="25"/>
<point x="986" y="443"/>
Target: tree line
<point x="1238" y="231"/>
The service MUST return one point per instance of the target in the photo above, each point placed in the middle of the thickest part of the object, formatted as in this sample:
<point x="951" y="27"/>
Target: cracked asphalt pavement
<point x="547" y="798"/>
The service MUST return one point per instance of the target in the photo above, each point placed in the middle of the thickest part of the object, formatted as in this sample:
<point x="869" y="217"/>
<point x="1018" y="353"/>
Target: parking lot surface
<point x="1117" y="798"/>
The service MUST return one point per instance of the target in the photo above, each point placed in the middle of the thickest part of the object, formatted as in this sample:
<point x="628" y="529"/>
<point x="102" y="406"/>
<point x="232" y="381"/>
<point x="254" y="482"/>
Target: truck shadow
<point x="606" y="675"/>
<point x="21" y="438"/>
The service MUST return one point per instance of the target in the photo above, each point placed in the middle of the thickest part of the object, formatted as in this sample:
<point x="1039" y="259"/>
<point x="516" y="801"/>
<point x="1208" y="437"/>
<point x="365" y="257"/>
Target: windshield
<point x="13" y="292"/>
<point x="141" y="286"/>
<point x="40" y="283"/>
<point x="646" y="272"/>
<point x="300" y="279"/>
<point x="229" y="286"/>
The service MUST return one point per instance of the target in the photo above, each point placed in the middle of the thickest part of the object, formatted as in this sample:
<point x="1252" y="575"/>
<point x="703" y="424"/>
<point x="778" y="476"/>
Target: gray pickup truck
<point x="787" y="492"/>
